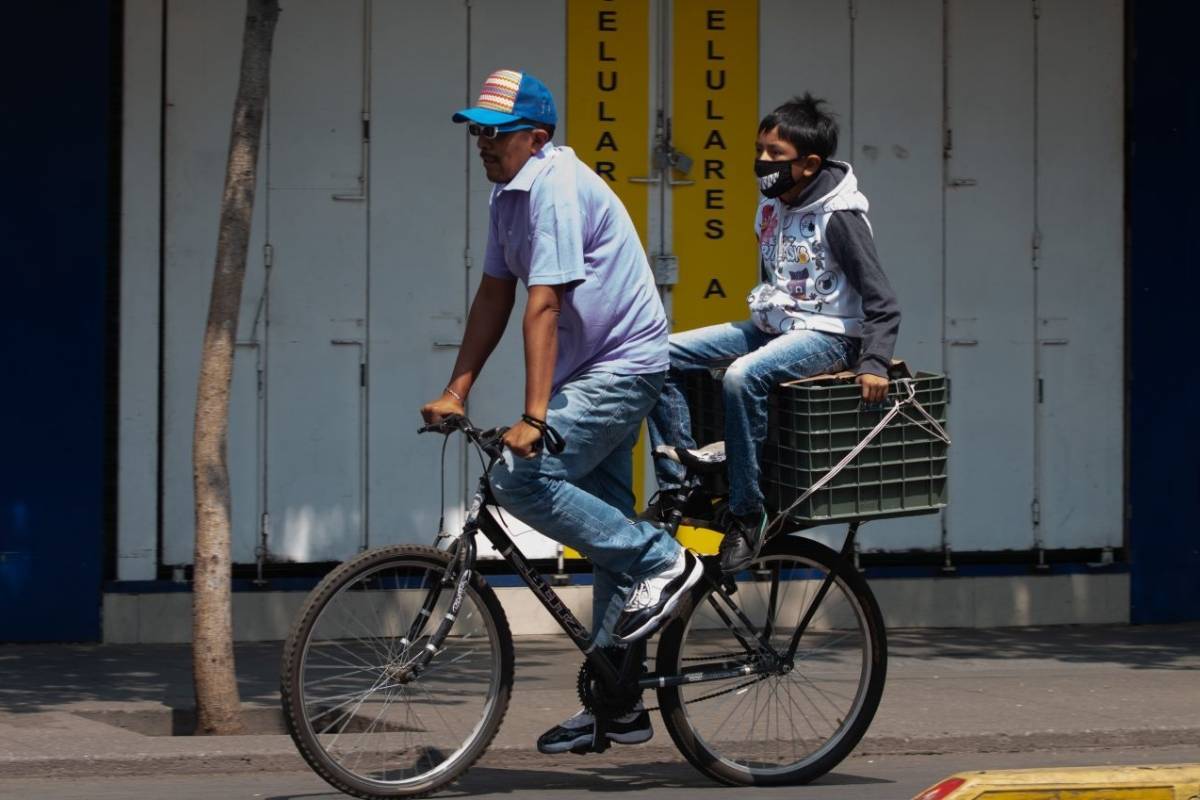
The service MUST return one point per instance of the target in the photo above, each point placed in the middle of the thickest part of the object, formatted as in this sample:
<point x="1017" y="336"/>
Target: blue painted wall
<point x="54" y="225"/>
<point x="1164" y="289"/>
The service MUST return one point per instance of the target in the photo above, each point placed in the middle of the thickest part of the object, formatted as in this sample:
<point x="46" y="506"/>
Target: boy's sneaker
<point x="578" y="731"/>
<point x="654" y="598"/>
<point x="743" y="538"/>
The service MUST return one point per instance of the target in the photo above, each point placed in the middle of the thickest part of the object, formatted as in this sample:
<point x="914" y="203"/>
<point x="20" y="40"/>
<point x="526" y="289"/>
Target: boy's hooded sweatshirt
<point x="821" y="271"/>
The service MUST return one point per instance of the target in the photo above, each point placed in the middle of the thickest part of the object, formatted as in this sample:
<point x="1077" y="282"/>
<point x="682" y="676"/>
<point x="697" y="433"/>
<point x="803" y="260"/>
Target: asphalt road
<point x="857" y="778"/>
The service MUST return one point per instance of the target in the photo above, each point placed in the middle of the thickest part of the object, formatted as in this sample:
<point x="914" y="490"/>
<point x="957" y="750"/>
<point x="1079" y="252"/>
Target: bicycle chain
<point x="750" y="682"/>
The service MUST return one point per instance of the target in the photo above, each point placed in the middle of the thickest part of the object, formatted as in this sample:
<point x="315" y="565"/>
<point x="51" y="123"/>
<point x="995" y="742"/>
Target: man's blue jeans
<point x="583" y="497"/>
<point x="759" y="361"/>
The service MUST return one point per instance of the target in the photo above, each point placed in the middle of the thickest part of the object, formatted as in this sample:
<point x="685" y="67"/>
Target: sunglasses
<point x="492" y="131"/>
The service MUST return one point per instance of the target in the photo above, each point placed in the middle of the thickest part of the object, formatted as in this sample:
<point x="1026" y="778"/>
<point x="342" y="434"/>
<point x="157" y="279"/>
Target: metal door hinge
<point x="268" y="256"/>
<point x="1041" y="391"/>
<point x="264" y="533"/>
<point x="366" y="126"/>
<point x="853" y="10"/>
<point x="1035" y="509"/>
<point x="467" y="263"/>
<point x="1037" y="9"/>
<point x="1036" y="246"/>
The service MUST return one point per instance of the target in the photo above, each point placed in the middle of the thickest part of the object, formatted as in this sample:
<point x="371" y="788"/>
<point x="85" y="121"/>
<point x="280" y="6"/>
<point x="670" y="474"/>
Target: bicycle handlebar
<point x="488" y="441"/>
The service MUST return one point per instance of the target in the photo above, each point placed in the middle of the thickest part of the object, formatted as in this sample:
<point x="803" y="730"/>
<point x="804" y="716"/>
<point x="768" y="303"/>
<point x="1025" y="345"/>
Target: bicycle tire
<point x="400" y="578"/>
<point x="821" y="657"/>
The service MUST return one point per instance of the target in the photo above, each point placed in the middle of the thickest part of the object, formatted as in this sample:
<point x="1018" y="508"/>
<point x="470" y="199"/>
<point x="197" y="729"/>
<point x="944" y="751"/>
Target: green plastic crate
<point x="814" y="424"/>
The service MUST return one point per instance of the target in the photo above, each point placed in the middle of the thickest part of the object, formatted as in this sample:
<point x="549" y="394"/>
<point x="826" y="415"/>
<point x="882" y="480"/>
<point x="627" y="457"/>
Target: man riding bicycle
<point x="595" y="361"/>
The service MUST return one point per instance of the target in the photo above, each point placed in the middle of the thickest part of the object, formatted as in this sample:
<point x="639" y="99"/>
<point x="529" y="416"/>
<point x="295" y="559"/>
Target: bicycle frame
<point x="463" y="552"/>
<point x="761" y="657"/>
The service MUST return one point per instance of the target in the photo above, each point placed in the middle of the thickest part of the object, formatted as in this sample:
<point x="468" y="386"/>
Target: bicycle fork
<point x="458" y="574"/>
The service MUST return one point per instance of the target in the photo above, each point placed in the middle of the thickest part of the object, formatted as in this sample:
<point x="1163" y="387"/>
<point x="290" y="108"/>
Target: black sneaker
<point x="577" y="732"/>
<point x="653" y="599"/>
<point x="743" y="538"/>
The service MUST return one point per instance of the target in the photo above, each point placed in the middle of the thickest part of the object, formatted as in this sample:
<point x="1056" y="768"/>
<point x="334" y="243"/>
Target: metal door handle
<point x="955" y="183"/>
<point x="963" y="342"/>
<point x="446" y="345"/>
<point x="645" y="179"/>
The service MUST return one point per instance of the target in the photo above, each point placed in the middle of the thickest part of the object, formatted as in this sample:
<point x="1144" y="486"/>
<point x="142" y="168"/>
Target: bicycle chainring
<point x="598" y="700"/>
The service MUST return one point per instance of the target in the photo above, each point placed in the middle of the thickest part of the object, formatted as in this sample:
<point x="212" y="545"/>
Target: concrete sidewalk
<point x="111" y="709"/>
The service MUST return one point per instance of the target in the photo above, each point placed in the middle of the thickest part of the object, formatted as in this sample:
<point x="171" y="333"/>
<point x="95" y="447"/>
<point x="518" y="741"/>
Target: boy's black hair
<point x="802" y="121"/>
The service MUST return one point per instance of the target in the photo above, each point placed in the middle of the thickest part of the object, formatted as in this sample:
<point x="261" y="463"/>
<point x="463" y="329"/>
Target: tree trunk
<point x="218" y="707"/>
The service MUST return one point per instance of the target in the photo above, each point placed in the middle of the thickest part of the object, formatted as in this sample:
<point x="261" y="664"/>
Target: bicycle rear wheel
<point x="793" y="724"/>
<point x="358" y="715"/>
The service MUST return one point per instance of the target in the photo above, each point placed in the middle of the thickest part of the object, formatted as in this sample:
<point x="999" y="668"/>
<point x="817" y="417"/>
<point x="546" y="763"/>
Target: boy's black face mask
<point x="774" y="177"/>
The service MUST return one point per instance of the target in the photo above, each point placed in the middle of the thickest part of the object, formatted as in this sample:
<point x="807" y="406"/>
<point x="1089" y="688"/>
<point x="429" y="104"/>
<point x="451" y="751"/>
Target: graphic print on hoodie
<point x="804" y="287"/>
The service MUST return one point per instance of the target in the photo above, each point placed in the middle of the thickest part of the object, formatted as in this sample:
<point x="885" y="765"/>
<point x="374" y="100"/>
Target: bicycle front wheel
<point x="362" y="718"/>
<point x="792" y="724"/>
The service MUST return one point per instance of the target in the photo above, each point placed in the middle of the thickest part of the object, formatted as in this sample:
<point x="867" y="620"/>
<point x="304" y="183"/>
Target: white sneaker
<point x="653" y="599"/>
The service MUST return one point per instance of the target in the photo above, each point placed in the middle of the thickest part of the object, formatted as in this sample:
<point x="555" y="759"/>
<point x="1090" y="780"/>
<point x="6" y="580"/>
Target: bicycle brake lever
<point x="490" y="441"/>
<point x="446" y="425"/>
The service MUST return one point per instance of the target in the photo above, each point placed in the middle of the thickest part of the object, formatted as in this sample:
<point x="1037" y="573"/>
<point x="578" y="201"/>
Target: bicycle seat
<point x="701" y="460"/>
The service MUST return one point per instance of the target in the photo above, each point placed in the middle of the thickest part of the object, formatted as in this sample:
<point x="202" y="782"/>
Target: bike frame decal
<point x="533" y="579"/>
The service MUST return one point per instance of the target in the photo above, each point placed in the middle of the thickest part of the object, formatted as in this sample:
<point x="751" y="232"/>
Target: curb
<point x="281" y="756"/>
<point x="1141" y="782"/>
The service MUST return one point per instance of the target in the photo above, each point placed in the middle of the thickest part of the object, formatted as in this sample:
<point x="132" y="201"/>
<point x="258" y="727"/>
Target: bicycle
<point x="398" y="670"/>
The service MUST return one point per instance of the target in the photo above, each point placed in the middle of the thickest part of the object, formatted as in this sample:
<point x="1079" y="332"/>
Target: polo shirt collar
<point x="532" y="169"/>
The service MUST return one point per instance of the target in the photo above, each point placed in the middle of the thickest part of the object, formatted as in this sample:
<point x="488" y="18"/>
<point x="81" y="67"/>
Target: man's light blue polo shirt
<point x="557" y="222"/>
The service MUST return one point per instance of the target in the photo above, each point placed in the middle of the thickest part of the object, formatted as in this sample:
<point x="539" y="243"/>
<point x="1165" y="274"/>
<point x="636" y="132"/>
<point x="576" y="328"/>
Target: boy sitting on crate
<point x="824" y="305"/>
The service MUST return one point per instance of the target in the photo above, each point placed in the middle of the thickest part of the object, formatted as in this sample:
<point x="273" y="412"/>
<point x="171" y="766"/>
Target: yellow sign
<point x="715" y="121"/>
<point x="608" y="111"/>
<point x="608" y="85"/>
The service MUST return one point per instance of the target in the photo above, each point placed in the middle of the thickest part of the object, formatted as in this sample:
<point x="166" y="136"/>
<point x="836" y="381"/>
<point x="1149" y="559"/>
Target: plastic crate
<point x="812" y="425"/>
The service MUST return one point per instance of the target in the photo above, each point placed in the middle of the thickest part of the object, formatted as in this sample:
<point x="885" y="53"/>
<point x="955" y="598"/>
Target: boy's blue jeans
<point x="760" y="360"/>
<point x="583" y="497"/>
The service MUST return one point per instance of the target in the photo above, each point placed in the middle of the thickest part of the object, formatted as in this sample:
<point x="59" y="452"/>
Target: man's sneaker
<point x="743" y="538"/>
<point x="654" y="598"/>
<point x="577" y="732"/>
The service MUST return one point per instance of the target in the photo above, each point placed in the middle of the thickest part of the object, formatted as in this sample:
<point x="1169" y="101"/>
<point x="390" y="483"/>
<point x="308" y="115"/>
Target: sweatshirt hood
<point x="834" y="188"/>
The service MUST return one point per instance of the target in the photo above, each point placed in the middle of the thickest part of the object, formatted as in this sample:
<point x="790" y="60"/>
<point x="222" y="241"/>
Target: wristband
<point x="533" y="421"/>
<point x="554" y="440"/>
<point x="454" y="394"/>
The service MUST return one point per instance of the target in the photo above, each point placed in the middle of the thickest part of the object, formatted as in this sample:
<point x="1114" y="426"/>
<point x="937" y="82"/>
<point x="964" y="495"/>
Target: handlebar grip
<point x="447" y="424"/>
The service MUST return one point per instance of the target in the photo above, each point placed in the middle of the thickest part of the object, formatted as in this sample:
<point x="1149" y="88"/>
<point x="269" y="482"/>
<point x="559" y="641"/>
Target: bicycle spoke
<point x="376" y="721"/>
<point x="795" y="712"/>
